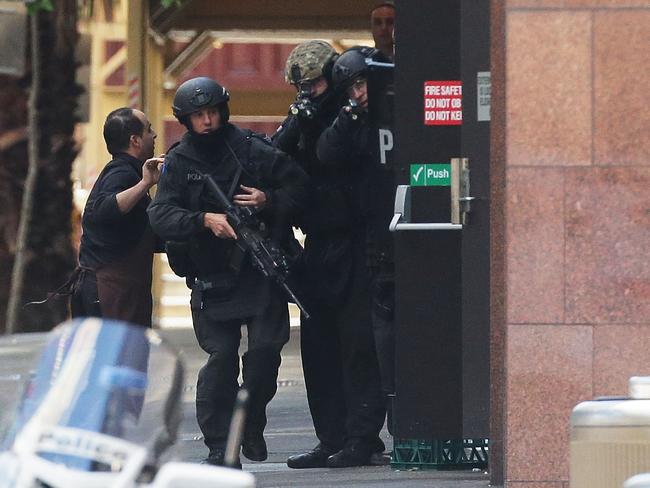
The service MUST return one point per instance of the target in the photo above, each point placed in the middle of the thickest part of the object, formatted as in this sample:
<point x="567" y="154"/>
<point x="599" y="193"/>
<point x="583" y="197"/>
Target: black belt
<point x="223" y="282"/>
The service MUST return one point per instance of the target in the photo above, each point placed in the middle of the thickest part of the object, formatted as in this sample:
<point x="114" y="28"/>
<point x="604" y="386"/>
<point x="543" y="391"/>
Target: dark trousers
<point x="112" y="295"/>
<point x="382" y="290"/>
<point x="84" y="301"/>
<point x="217" y="383"/>
<point x="340" y="365"/>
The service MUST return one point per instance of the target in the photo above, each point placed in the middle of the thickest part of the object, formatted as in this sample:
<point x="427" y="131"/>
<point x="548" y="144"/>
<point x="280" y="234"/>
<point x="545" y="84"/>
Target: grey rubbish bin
<point x="610" y="438"/>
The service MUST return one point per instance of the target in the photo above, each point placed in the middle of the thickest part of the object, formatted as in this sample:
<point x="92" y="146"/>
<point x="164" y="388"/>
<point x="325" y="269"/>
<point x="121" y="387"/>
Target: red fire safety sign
<point x="443" y="103"/>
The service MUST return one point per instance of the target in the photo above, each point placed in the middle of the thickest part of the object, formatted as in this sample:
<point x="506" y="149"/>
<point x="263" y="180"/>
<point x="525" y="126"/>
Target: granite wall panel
<point x="577" y="4"/>
<point x="621" y="81"/>
<point x="619" y="353"/>
<point x="577" y="219"/>
<point x="548" y="80"/>
<point x="549" y="371"/>
<point x="607" y="244"/>
<point x="535" y="236"/>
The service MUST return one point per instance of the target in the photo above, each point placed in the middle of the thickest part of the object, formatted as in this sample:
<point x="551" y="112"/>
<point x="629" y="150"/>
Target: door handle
<point x="396" y="225"/>
<point x="401" y="218"/>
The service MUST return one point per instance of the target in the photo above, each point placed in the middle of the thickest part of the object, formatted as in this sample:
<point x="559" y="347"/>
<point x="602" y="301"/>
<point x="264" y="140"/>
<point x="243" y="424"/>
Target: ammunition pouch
<point x="178" y="256"/>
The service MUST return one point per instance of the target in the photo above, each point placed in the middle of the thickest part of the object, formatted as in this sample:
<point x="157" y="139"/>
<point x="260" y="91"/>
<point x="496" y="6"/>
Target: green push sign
<point x="431" y="175"/>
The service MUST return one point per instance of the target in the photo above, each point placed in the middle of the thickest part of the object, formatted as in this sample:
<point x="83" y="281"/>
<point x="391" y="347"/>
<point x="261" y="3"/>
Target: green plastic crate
<point x="440" y="454"/>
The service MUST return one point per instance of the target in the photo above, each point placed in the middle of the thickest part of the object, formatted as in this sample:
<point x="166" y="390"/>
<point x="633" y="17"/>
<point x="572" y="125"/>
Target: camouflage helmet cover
<point x="312" y="57"/>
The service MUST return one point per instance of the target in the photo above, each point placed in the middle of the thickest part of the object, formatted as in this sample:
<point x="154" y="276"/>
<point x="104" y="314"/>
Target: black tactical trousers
<point x="340" y="364"/>
<point x="382" y="291"/>
<point x="321" y="363"/>
<point x="217" y="383"/>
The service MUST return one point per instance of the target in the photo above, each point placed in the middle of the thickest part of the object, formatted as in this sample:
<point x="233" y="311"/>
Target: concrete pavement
<point x="289" y="431"/>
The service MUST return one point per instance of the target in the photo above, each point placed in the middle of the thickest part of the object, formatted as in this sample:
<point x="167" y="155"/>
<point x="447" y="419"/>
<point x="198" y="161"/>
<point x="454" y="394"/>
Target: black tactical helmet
<point x="199" y="93"/>
<point x="349" y="66"/>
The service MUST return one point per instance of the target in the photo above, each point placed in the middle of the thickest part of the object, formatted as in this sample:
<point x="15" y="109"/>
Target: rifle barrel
<point x="296" y="301"/>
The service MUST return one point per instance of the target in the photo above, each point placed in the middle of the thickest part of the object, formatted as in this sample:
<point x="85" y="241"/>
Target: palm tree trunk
<point x="40" y="249"/>
<point x="18" y="273"/>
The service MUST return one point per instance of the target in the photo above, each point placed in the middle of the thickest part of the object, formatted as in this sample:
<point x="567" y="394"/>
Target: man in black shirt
<point x="117" y="244"/>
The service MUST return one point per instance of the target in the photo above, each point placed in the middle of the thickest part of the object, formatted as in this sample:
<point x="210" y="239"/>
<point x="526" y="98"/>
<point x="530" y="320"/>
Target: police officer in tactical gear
<point x="227" y="291"/>
<point x="337" y="351"/>
<point x="353" y="140"/>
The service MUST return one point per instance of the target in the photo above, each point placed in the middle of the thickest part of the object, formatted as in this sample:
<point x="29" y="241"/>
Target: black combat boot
<point x="217" y="458"/>
<point x="254" y="447"/>
<point x="351" y="455"/>
<point x="316" y="458"/>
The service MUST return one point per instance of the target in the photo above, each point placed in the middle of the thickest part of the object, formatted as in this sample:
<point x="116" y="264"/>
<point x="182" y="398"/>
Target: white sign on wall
<point x="483" y="94"/>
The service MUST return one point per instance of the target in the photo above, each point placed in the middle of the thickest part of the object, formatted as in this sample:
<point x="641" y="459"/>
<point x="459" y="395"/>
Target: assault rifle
<point x="267" y="256"/>
<point x="303" y="106"/>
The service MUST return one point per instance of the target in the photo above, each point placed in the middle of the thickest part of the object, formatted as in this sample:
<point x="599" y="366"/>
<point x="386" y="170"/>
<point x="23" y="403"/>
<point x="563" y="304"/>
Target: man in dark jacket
<point x="338" y="355"/>
<point x="117" y="244"/>
<point x="352" y="140"/>
<point x="382" y="24"/>
<point x="227" y="291"/>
